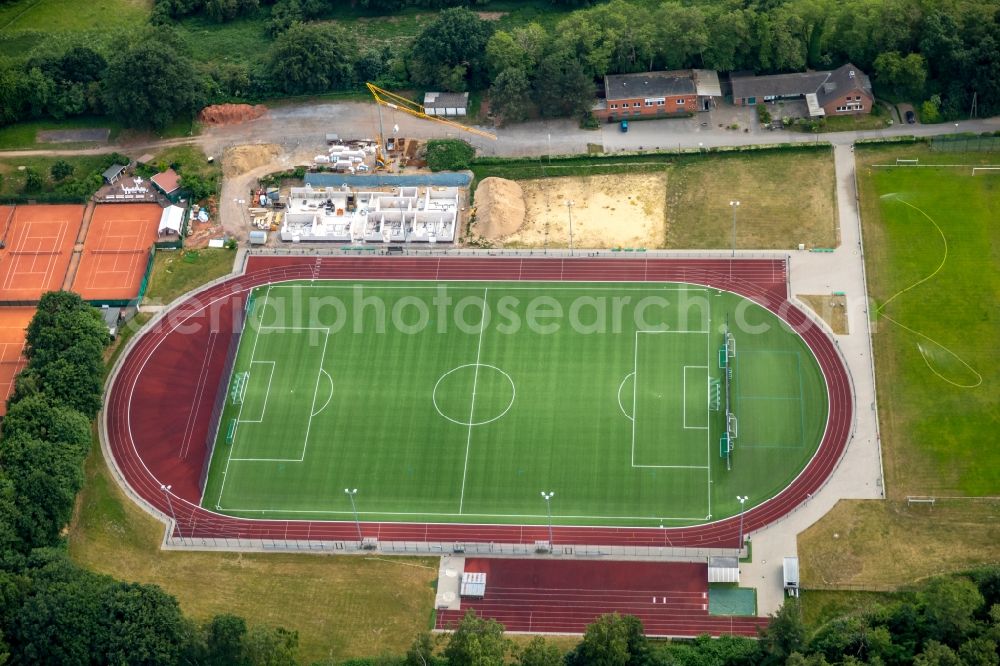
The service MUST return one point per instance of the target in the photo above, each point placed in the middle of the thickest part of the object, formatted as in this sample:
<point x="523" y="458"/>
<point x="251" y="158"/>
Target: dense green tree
<point x="510" y="96"/>
<point x="681" y="33"/>
<point x="539" y="652"/>
<point x="33" y="181"/>
<point x="312" y="58"/>
<point x="61" y="321"/>
<point x="150" y="82"/>
<point x="142" y="625"/>
<point x="561" y="87"/>
<point x="223" y="637"/>
<point x="979" y="652"/>
<point x="904" y="76"/>
<point x="936" y="654"/>
<point x="728" y="41"/>
<point x="456" y="38"/>
<point x="61" y="169"/>
<point x="784" y="634"/>
<point x="948" y="607"/>
<point x="227" y="10"/>
<point x="477" y="642"/>
<point x="611" y="640"/>
<point x="270" y="646"/>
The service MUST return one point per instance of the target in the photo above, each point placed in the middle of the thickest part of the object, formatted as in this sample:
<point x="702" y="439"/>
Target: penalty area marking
<point x="620" y="387"/>
<point x="267" y="394"/>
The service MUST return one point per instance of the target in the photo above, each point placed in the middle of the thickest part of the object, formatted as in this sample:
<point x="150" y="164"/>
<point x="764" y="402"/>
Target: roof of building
<point x="168" y="180"/>
<point x="648" y="84"/>
<point x="825" y="85"/>
<point x="446" y="100"/>
<point x="707" y="83"/>
<point x="113" y="171"/>
<point x="842" y="79"/>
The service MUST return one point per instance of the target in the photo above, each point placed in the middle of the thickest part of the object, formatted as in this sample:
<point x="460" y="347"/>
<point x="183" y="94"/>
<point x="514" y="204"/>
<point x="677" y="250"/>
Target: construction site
<point x="353" y="190"/>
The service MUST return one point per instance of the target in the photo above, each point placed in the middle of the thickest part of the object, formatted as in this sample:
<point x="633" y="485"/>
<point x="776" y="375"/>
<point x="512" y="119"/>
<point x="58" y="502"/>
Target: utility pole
<point x="569" y="210"/>
<point x="735" y="205"/>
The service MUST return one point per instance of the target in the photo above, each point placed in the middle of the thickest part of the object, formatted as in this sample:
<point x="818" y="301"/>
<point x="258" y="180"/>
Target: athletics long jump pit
<point x="116" y="251"/>
<point x="37" y="246"/>
<point x="449" y="437"/>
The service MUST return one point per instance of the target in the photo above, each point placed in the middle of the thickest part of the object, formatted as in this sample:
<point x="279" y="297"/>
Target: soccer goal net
<point x="726" y="357"/>
<point x="239" y="388"/>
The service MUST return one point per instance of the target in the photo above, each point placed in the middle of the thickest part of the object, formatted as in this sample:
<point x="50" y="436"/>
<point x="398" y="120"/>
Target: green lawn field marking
<point x="799" y="398"/>
<point x="404" y="457"/>
<point x="472" y="407"/>
<point x="267" y="391"/>
<point x="239" y="413"/>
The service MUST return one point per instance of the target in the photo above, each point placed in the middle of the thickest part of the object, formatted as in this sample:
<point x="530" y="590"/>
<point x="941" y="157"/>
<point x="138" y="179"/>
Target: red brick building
<point x="647" y="94"/>
<point x="845" y="90"/>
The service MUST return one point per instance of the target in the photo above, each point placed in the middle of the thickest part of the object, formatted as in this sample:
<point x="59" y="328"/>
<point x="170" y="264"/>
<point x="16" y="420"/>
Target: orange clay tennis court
<point x="38" y="244"/>
<point x="116" y="251"/>
<point x="13" y="322"/>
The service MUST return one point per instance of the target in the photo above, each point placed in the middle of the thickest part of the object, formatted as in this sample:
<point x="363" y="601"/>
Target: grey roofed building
<point x="648" y="84"/>
<point x="825" y="92"/>
<point x="778" y="85"/>
<point x="113" y="173"/>
<point x="446" y="104"/>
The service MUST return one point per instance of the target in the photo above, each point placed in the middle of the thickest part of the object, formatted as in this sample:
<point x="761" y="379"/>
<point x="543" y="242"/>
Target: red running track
<point x="552" y="596"/>
<point x="158" y="405"/>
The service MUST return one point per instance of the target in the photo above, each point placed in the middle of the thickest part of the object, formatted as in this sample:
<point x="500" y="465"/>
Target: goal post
<point x="728" y="352"/>
<point x="902" y="162"/>
<point x="985" y="170"/>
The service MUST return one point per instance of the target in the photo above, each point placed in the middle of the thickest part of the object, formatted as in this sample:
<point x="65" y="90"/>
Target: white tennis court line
<point x="26" y="236"/>
<point x="266" y="395"/>
<point x="472" y="409"/>
<point x="684" y="393"/>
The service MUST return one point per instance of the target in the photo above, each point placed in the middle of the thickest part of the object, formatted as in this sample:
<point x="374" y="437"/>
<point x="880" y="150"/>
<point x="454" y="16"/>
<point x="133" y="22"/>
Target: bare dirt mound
<point x="499" y="208"/>
<point x="222" y="114"/>
<point x="241" y="159"/>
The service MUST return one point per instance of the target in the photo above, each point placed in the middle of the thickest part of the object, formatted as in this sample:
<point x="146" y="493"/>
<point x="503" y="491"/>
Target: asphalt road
<point x="300" y="130"/>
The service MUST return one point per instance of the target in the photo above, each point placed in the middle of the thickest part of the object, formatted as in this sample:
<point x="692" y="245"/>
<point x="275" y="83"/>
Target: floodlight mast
<point x="548" y="508"/>
<point x="351" y="492"/>
<point x="742" y="500"/>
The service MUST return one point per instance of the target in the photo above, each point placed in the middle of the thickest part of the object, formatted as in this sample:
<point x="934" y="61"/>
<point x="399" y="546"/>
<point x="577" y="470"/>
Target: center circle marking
<point x="513" y="393"/>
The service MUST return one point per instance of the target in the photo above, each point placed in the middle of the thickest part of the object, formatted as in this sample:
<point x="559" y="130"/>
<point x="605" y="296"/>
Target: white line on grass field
<point x="708" y="408"/>
<point x="472" y="409"/>
<point x="312" y="408"/>
<point x="474" y="285"/>
<point x="266" y="395"/>
<point x="685" y="395"/>
<point x="541" y="516"/>
<point x="239" y="414"/>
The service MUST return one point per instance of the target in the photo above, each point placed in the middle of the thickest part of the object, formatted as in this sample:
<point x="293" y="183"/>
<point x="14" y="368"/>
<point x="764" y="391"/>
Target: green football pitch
<point x="463" y="401"/>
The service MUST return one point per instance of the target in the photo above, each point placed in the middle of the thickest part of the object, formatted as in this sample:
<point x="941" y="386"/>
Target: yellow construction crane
<point x="394" y="101"/>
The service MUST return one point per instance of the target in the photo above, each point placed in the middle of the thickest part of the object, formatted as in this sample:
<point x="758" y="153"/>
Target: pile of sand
<point x="241" y="159"/>
<point x="499" y="208"/>
<point x="221" y="114"/>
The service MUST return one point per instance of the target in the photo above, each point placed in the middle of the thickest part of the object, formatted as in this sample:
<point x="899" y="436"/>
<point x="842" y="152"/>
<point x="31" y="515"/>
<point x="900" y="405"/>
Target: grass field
<point x="932" y="257"/>
<point x="178" y="272"/>
<point x="12" y="177"/>
<point x="439" y="412"/>
<point x="931" y="428"/>
<point x="342" y="607"/>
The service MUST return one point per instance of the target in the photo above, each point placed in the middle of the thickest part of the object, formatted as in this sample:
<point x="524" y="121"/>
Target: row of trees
<point x="950" y="621"/>
<point x="51" y="611"/>
<point x="914" y="50"/>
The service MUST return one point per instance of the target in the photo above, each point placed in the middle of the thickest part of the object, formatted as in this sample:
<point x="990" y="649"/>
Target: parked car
<point x="910" y="118"/>
<point x="624" y="126"/>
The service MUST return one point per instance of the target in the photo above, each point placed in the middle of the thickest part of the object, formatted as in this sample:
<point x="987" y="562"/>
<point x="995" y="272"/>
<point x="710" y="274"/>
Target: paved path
<point x="859" y="475"/>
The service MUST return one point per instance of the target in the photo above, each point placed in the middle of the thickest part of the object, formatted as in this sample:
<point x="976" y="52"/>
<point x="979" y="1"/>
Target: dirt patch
<point x="608" y="211"/>
<point x="831" y="309"/>
<point x="224" y="114"/>
<point x="99" y="134"/>
<point x="241" y="159"/>
<point x="499" y="208"/>
<point x="491" y="16"/>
